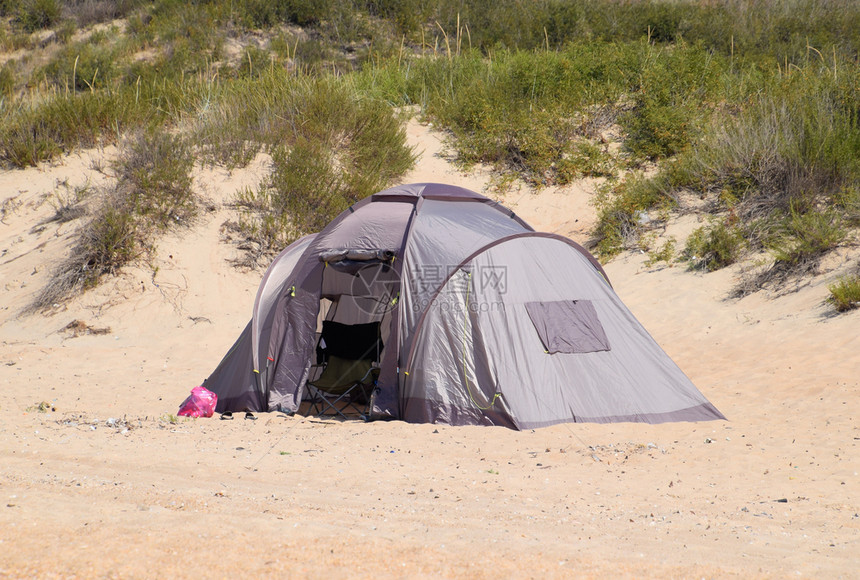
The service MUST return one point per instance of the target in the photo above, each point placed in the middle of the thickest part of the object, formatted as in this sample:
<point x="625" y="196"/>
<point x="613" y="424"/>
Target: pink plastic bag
<point x="200" y="403"/>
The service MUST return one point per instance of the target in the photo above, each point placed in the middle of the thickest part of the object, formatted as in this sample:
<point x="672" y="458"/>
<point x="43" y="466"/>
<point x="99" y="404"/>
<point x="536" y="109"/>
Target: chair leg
<point x="324" y="406"/>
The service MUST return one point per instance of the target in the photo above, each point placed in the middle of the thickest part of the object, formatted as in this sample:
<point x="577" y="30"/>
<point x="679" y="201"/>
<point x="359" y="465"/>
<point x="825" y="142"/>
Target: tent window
<point x="568" y="326"/>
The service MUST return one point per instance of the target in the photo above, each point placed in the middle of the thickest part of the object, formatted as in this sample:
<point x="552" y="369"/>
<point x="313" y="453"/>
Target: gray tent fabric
<point x="568" y="326"/>
<point x="477" y="349"/>
<point x="442" y="234"/>
<point x="240" y="389"/>
<point x="484" y="321"/>
<point x="267" y="295"/>
<point x="234" y="382"/>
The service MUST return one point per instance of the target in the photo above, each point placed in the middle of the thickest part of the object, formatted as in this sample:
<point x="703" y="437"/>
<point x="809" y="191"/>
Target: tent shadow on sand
<point x="481" y="321"/>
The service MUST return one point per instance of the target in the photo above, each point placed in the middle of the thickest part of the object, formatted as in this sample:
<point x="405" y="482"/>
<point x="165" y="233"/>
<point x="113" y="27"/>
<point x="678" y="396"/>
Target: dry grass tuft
<point x="79" y="327"/>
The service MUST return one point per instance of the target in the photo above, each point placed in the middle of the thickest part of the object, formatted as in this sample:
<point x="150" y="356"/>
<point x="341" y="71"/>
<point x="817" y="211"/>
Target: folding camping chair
<point x="348" y="356"/>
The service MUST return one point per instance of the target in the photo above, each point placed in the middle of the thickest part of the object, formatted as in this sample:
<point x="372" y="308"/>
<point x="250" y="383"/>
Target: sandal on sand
<point x="250" y="415"/>
<point x="228" y="416"/>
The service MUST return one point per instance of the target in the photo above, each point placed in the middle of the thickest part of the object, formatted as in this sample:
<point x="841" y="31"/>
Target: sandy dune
<point x="100" y="483"/>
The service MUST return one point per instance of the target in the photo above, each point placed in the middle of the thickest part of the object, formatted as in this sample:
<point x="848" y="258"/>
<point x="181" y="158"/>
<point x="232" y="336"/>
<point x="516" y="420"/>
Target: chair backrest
<point x="352" y="341"/>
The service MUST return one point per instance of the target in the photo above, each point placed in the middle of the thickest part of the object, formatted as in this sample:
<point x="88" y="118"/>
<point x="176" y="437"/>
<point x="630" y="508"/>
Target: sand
<point x="100" y="482"/>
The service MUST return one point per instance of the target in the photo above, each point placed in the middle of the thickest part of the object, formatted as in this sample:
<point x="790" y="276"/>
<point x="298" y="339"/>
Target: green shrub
<point x="106" y="244"/>
<point x="665" y="253"/>
<point x="38" y="14"/>
<point x="304" y="192"/>
<point x="88" y="12"/>
<point x="791" y="149"/>
<point x="263" y="14"/>
<point x="526" y="111"/>
<point x="522" y="112"/>
<point x="11" y="39"/>
<point x="670" y="101"/>
<point x="845" y="293"/>
<point x="625" y="208"/>
<point x="797" y="242"/>
<point x="65" y="31"/>
<point x="803" y="238"/>
<point x="407" y="15"/>
<point x="584" y="159"/>
<point x="189" y="36"/>
<point x="9" y="7"/>
<point x="311" y="52"/>
<point x="138" y="30"/>
<point x="329" y="149"/>
<point x="154" y="173"/>
<point x="26" y="141"/>
<point x="82" y="66"/>
<point x="307" y="12"/>
<point x="785" y="166"/>
<point x="283" y="45"/>
<point x="714" y="246"/>
<point x="38" y="131"/>
<point x="783" y="28"/>
<point x="847" y="199"/>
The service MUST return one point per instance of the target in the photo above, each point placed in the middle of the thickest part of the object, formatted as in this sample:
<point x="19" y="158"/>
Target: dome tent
<point x="483" y="321"/>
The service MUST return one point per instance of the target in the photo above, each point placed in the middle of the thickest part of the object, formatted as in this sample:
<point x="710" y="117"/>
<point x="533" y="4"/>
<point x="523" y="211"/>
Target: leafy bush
<point x="625" y="209"/>
<point x="253" y="62"/>
<point x="64" y="31"/>
<point x="311" y="53"/>
<point x="330" y="147"/>
<point x="845" y="293"/>
<point x="265" y="14"/>
<point x="9" y="7"/>
<point x="304" y="192"/>
<point x="523" y="112"/>
<point x="786" y="168"/>
<point x="797" y="242"/>
<point x="779" y="153"/>
<point x="24" y="140"/>
<point x="847" y="200"/>
<point x="106" y="244"/>
<point x="408" y="15"/>
<point x="584" y="159"/>
<point x="189" y="37"/>
<point x="154" y="173"/>
<point x="35" y="15"/>
<point x="528" y="111"/>
<point x="670" y="100"/>
<point x="803" y="238"/>
<point x="714" y="246"/>
<point x="665" y="253"/>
